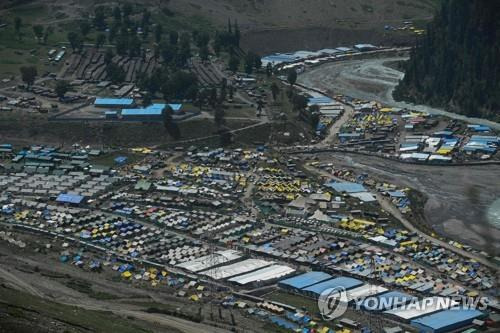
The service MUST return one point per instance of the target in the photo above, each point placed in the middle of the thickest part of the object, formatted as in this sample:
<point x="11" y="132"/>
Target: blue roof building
<point x="113" y="102"/>
<point x="69" y="198"/>
<point x="304" y="280"/>
<point x="121" y="160"/>
<point x="153" y="112"/>
<point x="320" y="100"/>
<point x="340" y="282"/>
<point x="346" y="187"/>
<point x="445" y="321"/>
<point x="479" y="128"/>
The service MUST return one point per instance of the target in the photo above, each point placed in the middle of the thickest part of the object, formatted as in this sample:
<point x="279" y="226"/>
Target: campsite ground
<point x="78" y="300"/>
<point x="456" y="198"/>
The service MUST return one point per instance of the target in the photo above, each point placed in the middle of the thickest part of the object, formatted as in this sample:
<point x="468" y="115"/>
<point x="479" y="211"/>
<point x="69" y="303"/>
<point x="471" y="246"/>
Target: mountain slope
<point x="279" y="14"/>
<point x="457" y="64"/>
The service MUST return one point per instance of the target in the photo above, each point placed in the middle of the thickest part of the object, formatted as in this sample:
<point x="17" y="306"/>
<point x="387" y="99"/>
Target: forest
<point x="456" y="65"/>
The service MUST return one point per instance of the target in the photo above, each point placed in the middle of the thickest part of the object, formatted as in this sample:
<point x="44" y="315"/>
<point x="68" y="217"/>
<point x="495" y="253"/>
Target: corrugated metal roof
<point x="142" y="112"/>
<point x="69" y="198"/>
<point x="446" y="320"/>
<point x="264" y="274"/>
<point x="346" y="187"/>
<point x="340" y="282"/>
<point x="152" y="110"/>
<point x="114" y="101"/>
<point x="305" y="280"/>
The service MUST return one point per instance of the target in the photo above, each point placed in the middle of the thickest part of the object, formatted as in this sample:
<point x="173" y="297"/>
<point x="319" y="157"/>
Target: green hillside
<point x="457" y="64"/>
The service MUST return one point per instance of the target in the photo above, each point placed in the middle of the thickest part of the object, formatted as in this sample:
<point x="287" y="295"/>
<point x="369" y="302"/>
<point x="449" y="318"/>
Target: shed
<point x="340" y="282"/>
<point x="304" y="280"/>
<point x="446" y="321"/>
<point x="69" y="198"/>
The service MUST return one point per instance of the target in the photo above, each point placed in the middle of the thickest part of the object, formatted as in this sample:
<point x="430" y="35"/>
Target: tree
<point x="108" y="56"/>
<point x="185" y="49"/>
<point x="269" y="69"/>
<point x="145" y="20"/>
<point x="122" y="45"/>
<point x="204" y="53"/>
<point x="202" y="39"/>
<point x="158" y="32"/>
<point x="127" y="9"/>
<point x="117" y="15"/>
<point x="134" y="46"/>
<point x="299" y="102"/>
<point x="167" y="52"/>
<point x="314" y="120"/>
<point x="292" y="76"/>
<point x="28" y="74"/>
<point x="223" y="89"/>
<point x="234" y="63"/>
<point x="174" y="37"/>
<point x="100" y="39"/>
<point x="237" y="34"/>
<point x="226" y="137"/>
<point x="116" y="73"/>
<point x="84" y="28"/>
<point x="217" y="45"/>
<point x="171" y="127"/>
<point x="48" y="31"/>
<point x="314" y="116"/>
<point x="62" y="88"/>
<point x="275" y="90"/>
<point x="38" y="31"/>
<point x="17" y="26"/>
<point x="257" y="61"/>
<point x="146" y="100"/>
<point x="100" y="18"/>
<point x="75" y="41"/>
<point x="212" y="98"/>
<point x="219" y="116"/>
<point x="180" y="85"/>
<point x="249" y="62"/>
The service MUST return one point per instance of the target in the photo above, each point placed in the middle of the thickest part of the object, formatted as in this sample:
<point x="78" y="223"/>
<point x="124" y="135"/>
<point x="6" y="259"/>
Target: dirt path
<point x="19" y="283"/>
<point x="47" y="290"/>
<point x="335" y="128"/>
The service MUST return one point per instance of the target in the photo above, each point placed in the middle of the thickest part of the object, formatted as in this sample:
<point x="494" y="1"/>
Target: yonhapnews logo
<point x="333" y="303"/>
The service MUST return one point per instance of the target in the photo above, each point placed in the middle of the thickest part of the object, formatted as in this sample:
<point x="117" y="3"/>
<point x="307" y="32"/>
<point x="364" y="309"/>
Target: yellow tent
<point x="126" y="275"/>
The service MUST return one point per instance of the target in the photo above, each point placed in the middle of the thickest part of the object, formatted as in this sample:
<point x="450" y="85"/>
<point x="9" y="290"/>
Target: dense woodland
<point x="457" y="64"/>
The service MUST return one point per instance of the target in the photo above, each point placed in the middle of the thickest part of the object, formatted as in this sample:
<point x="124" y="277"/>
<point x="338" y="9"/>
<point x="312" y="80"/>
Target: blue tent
<point x="69" y="198"/>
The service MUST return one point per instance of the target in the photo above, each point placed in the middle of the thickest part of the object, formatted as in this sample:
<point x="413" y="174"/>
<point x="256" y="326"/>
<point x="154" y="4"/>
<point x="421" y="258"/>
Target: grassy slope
<point x="295" y="14"/>
<point x="21" y="312"/>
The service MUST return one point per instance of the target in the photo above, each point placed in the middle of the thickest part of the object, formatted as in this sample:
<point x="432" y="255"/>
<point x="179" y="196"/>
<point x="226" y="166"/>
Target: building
<point x="72" y="199"/>
<point x="153" y="112"/>
<point x="365" y="47"/>
<point x="142" y="114"/>
<point x="338" y="283"/>
<point x="113" y="102"/>
<point x="446" y="321"/>
<point x="304" y="280"/>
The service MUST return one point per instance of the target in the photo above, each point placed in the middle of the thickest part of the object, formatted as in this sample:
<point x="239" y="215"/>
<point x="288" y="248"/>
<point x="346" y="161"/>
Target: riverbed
<point x="371" y="79"/>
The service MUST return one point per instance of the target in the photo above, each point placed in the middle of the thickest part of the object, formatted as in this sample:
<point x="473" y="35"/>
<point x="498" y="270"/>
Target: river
<point x="371" y="79"/>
